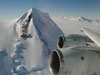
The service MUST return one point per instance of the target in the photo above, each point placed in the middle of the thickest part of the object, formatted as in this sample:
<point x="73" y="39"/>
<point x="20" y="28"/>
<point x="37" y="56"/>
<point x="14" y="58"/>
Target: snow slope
<point x="5" y="46"/>
<point x="30" y="56"/>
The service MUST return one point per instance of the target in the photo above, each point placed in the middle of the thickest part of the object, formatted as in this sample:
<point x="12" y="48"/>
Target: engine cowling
<point x="75" y="61"/>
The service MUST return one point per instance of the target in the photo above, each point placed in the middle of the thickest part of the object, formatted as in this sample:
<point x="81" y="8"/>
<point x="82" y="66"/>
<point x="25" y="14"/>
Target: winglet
<point x="92" y="35"/>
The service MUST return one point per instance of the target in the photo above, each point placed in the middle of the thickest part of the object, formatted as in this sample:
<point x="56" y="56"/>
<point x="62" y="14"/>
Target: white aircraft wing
<point x="92" y="35"/>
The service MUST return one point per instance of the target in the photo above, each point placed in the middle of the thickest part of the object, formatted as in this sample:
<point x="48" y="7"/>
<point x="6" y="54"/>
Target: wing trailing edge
<point x="94" y="36"/>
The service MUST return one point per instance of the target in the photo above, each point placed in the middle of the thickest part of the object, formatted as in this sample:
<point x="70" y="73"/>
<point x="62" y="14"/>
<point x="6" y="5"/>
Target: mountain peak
<point x="33" y="9"/>
<point x="40" y="28"/>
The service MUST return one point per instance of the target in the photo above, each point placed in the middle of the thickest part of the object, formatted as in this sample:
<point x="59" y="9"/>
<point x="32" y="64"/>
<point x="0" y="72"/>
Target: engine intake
<point x="60" y="42"/>
<point x="56" y="62"/>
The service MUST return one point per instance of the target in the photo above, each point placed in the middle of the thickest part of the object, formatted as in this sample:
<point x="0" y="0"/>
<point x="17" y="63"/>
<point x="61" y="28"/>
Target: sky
<point x="15" y="8"/>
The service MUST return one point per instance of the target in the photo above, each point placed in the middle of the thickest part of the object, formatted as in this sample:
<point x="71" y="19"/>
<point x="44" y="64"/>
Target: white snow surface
<point x="31" y="56"/>
<point x="73" y="25"/>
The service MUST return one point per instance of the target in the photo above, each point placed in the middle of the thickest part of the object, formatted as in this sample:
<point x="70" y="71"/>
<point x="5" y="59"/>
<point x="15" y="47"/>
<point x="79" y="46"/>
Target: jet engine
<point x="74" y="57"/>
<point x="73" y="40"/>
<point x="75" y="61"/>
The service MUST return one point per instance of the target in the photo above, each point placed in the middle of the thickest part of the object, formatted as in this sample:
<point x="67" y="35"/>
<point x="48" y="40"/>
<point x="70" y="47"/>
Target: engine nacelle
<point x="75" y="61"/>
<point x="73" y="40"/>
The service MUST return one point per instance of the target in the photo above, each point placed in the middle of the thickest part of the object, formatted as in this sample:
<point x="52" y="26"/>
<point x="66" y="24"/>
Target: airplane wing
<point x="94" y="36"/>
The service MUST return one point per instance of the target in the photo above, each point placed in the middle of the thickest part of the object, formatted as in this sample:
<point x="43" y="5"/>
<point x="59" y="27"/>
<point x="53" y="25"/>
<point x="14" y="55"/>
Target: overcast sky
<point x="15" y="8"/>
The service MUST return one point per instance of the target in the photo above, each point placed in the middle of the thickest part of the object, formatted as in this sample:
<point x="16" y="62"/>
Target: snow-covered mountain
<point x="81" y="19"/>
<point x="28" y="54"/>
